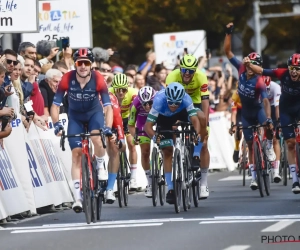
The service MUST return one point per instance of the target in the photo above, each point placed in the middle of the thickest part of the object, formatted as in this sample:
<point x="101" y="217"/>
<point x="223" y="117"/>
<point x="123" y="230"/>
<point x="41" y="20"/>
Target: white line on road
<point x="287" y="216"/>
<point x="279" y="226"/>
<point x="238" y="247"/>
<point x="241" y="221"/>
<point x="235" y="178"/>
<point x="84" y="228"/>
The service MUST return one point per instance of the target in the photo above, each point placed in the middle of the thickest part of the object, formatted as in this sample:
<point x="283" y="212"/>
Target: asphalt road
<point x="232" y="218"/>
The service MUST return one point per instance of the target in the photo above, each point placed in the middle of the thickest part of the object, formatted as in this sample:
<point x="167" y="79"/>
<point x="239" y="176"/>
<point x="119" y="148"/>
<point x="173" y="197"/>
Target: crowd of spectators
<point x="29" y="79"/>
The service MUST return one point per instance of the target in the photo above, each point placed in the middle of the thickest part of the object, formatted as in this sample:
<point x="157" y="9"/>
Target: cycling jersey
<point x="86" y="99"/>
<point x="197" y="88"/>
<point x="117" y="119"/>
<point x="251" y="92"/>
<point x="289" y="88"/>
<point x="84" y="105"/>
<point x="126" y="102"/>
<point x="289" y="103"/>
<point x="138" y="116"/>
<point x="236" y="101"/>
<point x="160" y="107"/>
<point x="274" y="93"/>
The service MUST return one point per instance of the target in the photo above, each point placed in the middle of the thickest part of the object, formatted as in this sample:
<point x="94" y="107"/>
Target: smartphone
<point x="207" y="53"/>
<point x="9" y="88"/>
<point x="65" y="42"/>
<point x="185" y="50"/>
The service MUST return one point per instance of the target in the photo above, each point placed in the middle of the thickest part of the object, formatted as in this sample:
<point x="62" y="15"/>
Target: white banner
<point x="168" y="46"/>
<point x="12" y="195"/>
<point x="15" y="12"/>
<point x="64" y="18"/>
<point x="21" y="163"/>
<point x="220" y="143"/>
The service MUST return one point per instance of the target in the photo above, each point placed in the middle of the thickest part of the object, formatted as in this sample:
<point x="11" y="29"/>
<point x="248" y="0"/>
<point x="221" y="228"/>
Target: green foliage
<point x="129" y="25"/>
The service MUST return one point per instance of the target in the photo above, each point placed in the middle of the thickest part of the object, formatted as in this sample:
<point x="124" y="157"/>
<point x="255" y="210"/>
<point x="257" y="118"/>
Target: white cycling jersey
<point x="274" y="92"/>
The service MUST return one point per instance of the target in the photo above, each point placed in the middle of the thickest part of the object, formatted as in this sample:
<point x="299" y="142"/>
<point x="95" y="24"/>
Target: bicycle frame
<point x="85" y="151"/>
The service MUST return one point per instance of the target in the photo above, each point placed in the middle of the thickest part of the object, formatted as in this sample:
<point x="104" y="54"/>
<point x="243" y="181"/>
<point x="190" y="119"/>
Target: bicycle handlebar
<point x="83" y="136"/>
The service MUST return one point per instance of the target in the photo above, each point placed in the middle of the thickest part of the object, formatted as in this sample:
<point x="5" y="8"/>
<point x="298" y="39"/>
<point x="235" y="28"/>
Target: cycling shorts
<point x="166" y="122"/>
<point x="198" y="107"/>
<point x="95" y="121"/>
<point x="257" y="115"/>
<point x="289" y="109"/>
<point x="143" y="139"/>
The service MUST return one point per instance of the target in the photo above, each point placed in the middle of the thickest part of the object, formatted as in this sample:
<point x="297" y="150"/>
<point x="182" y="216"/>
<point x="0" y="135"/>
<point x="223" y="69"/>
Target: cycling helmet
<point x="294" y="60"/>
<point x="146" y="94"/>
<point x="189" y="62"/>
<point x="175" y="92"/>
<point x="83" y="54"/>
<point x="255" y="58"/>
<point x="120" y="81"/>
<point x="267" y="81"/>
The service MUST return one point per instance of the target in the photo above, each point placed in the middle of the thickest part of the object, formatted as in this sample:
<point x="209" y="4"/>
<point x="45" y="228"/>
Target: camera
<point x="6" y="119"/>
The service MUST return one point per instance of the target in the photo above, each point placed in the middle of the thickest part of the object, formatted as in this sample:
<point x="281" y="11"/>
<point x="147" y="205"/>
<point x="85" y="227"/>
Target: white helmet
<point x="146" y="94"/>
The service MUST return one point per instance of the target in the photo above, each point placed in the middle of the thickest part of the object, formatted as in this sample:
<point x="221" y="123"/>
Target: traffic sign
<point x="263" y="23"/>
<point x="263" y="43"/>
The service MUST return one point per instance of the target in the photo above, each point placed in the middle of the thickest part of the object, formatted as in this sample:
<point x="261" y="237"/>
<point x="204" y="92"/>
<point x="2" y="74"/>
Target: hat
<point x="117" y="69"/>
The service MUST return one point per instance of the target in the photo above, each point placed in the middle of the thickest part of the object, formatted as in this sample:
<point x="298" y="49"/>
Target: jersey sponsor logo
<point x="204" y="87"/>
<point x="73" y="82"/>
<point x="291" y="91"/>
<point x="246" y="91"/>
<point x="191" y="91"/>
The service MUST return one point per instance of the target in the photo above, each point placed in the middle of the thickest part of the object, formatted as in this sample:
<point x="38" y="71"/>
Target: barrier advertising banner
<point x="64" y="18"/>
<point x="15" y="12"/>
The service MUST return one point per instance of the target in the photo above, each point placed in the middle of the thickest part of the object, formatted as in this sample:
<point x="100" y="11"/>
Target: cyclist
<point x="289" y="104"/>
<point x="138" y="115"/>
<point x="169" y="106"/>
<point x="274" y="92"/>
<point x="83" y="87"/>
<point x="125" y="95"/>
<point x="254" y="99"/>
<point x="236" y="112"/>
<point x="195" y="84"/>
<point x="114" y="148"/>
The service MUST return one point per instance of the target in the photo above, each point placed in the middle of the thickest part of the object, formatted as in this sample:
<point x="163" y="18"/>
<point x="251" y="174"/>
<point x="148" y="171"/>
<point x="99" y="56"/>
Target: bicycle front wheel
<point x="154" y="176"/>
<point x="284" y="164"/>
<point x="258" y="164"/>
<point x="177" y="181"/>
<point x="86" y="189"/>
<point x="244" y="161"/>
<point x="120" y="182"/>
<point x="162" y="182"/>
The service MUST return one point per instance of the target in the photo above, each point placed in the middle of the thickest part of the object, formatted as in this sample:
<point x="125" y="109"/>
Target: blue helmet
<point x="175" y="92"/>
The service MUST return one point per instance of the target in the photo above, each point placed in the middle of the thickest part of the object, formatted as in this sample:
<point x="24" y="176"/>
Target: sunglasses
<point x="8" y="61"/>
<point x="95" y="68"/>
<point x="255" y="63"/>
<point x="187" y="71"/>
<point x="171" y="103"/>
<point x="80" y="63"/>
<point x="148" y="103"/>
<point x="294" y="68"/>
<point x="105" y="70"/>
<point x="123" y="90"/>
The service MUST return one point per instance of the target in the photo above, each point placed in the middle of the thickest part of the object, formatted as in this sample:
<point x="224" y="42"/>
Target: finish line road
<point x="232" y="218"/>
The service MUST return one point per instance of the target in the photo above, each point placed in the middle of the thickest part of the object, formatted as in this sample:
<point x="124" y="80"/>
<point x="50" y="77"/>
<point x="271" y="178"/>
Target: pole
<point x="257" y="33"/>
<point x="7" y="41"/>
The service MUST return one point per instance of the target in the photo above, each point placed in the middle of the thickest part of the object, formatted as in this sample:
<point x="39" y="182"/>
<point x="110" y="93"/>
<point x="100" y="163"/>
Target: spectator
<point x="149" y="64"/>
<point x="61" y="66"/>
<point x="130" y="79"/>
<point x="36" y="96"/>
<point x="117" y="70"/>
<point x="8" y="60"/>
<point x="67" y="58"/>
<point x="48" y="50"/>
<point x="157" y="81"/>
<point x="139" y="81"/>
<point x="49" y="87"/>
<point x="132" y="70"/>
<point x="27" y="78"/>
<point x="27" y="49"/>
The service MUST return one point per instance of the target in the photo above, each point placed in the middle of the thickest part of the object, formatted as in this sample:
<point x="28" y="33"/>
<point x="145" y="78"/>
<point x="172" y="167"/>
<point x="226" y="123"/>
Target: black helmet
<point x="255" y="58"/>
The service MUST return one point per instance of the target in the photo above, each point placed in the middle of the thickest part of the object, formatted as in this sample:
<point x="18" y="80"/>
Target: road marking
<point x="235" y="178"/>
<point x="242" y="221"/>
<point x="281" y="216"/>
<point x="238" y="247"/>
<point x="84" y="228"/>
<point x="279" y="226"/>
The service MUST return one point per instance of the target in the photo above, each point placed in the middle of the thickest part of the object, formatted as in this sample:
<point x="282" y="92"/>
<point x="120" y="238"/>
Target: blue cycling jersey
<point x="83" y="100"/>
<point x="160" y="107"/>
<point x="251" y="91"/>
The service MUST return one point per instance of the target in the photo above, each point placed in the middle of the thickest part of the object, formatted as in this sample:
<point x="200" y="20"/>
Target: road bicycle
<point x="92" y="189"/>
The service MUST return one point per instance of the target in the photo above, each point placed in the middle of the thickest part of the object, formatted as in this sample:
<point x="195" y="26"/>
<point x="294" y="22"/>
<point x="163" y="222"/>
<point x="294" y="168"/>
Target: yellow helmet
<point x="120" y="81"/>
<point x="189" y="62"/>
